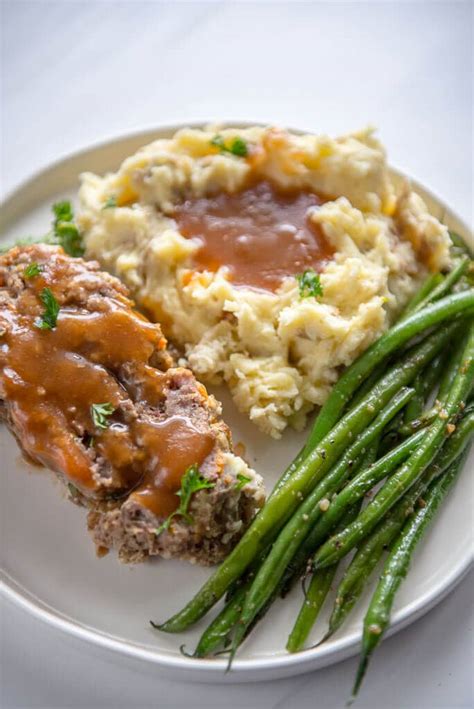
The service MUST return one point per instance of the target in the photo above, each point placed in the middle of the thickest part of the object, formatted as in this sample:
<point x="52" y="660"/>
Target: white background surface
<point x="77" y="72"/>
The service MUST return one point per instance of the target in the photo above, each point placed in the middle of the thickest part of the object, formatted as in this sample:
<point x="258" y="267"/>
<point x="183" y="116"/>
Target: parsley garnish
<point x="191" y="482"/>
<point x="111" y="203"/>
<point x="100" y="414"/>
<point x="237" y="147"/>
<point x="49" y="317"/>
<point x="33" y="269"/>
<point x="309" y="284"/>
<point x="63" y="211"/>
<point x="242" y="481"/>
<point x="66" y="233"/>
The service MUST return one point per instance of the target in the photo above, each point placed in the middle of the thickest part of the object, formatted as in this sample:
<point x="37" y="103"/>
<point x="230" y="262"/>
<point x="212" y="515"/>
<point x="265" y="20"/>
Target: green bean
<point x="321" y="582"/>
<point x="318" y="589"/>
<point x="371" y="550"/>
<point x="217" y="634"/>
<point x="428" y="285"/>
<point x="424" y="383"/>
<point x="392" y="340"/>
<point x="353" y="491"/>
<point x="291" y="536"/>
<point x="369" y="553"/>
<point x="296" y="572"/>
<point x="345" y="602"/>
<point x="396" y="568"/>
<point x="414" y="407"/>
<point x="363" y="482"/>
<point x="418" y="423"/>
<point x="432" y="375"/>
<point x="339" y="545"/>
<point x="428" y="416"/>
<point x="282" y="504"/>
<point x="409" y="422"/>
<point x="461" y="245"/>
<point x="460" y="267"/>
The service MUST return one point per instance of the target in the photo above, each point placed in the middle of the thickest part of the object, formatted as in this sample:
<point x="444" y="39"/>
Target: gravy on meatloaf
<point x="52" y="377"/>
<point x="262" y="234"/>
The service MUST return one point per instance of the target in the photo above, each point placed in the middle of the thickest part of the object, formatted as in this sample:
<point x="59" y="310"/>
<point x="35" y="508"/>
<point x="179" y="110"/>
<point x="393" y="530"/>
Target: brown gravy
<point x="173" y="445"/>
<point x="262" y="234"/>
<point x="51" y="378"/>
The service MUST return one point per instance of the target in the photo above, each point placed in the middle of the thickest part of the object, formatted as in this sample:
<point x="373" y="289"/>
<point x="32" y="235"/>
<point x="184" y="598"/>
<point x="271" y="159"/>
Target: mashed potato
<point x="278" y="352"/>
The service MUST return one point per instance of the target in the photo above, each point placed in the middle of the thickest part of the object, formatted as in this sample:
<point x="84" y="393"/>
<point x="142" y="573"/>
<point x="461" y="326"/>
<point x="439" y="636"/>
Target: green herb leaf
<point x="33" y="269"/>
<point x="242" y="481"/>
<point x="63" y="211"/>
<point x="65" y="232"/>
<point x="48" y="319"/>
<point x="100" y="414"/>
<point x="191" y="482"/>
<point x="309" y="284"/>
<point x="237" y="147"/>
<point x="111" y="203"/>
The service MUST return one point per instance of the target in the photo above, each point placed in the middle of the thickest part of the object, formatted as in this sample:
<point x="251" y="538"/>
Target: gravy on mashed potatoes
<point x="261" y="235"/>
<point x="211" y="239"/>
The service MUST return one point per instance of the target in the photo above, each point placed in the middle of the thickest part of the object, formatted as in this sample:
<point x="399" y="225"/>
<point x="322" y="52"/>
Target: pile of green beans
<point x="369" y="553"/>
<point x="396" y="567"/>
<point x="321" y="582"/>
<point x="340" y="544"/>
<point x="378" y="426"/>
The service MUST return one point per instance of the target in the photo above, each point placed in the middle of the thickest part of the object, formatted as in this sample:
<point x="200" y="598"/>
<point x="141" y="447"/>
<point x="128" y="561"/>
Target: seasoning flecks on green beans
<point x="369" y="553"/>
<point x="396" y="567"/>
<point x="338" y="546"/>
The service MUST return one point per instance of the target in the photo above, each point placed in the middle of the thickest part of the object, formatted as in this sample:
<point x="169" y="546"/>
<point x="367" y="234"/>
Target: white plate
<point x="49" y="565"/>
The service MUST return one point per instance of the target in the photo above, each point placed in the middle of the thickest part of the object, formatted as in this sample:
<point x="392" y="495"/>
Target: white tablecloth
<point x="78" y="72"/>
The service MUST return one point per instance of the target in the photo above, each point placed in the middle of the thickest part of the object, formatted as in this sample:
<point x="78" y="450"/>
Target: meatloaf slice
<point x="89" y="390"/>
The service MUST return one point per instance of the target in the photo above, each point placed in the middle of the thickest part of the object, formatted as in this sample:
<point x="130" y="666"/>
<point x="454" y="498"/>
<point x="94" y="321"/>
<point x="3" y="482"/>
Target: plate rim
<point x="251" y="669"/>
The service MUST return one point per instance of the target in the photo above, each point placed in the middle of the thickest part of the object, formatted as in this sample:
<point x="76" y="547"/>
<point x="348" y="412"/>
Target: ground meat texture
<point x="94" y="396"/>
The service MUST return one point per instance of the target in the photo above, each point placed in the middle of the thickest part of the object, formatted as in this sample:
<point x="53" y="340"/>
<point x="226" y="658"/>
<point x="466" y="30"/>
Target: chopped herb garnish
<point x="191" y="482"/>
<point x="48" y="319"/>
<point x="65" y="232"/>
<point x="111" y="203"/>
<point x="309" y="284"/>
<point x="33" y="269"/>
<point x="100" y="413"/>
<point x="242" y="481"/>
<point x="237" y="146"/>
<point x="63" y="211"/>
